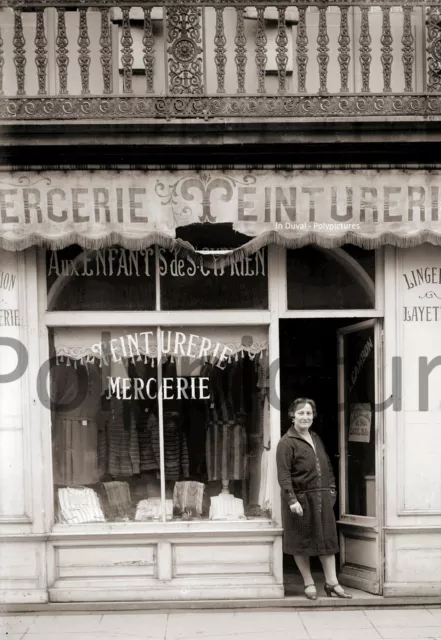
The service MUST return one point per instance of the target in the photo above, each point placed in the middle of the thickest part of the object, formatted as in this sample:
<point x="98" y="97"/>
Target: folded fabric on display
<point x="188" y="497"/>
<point x="226" y="507"/>
<point x="150" y="509"/>
<point x="79" y="506"/>
<point x="118" y="498"/>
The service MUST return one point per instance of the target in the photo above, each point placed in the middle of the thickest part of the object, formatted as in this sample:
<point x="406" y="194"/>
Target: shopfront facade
<point x="157" y="324"/>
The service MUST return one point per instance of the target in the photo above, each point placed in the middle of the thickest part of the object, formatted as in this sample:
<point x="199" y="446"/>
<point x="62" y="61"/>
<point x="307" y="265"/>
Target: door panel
<point x="360" y="437"/>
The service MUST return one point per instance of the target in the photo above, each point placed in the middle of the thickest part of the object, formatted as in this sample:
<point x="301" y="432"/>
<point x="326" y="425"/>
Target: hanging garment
<point x="194" y="419"/>
<point x="188" y="497"/>
<point x="79" y="506"/>
<point x="118" y="499"/>
<point x="150" y="509"/>
<point x="78" y="436"/>
<point x="176" y="461"/>
<point x="226" y="446"/>
<point x="123" y="444"/>
<point x="268" y="466"/>
<point x="258" y="441"/>
<point x="265" y="419"/>
<point x="263" y="370"/>
<point x="148" y="461"/>
<point x="78" y="451"/>
<point x="269" y="472"/>
<point x="78" y="385"/>
<point x="226" y="441"/>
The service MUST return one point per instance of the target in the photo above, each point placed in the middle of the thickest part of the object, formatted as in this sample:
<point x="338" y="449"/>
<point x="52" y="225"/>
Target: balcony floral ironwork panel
<point x="241" y="51"/>
<point x="2" y="63"/>
<point x="62" y="52"/>
<point x="302" y="50"/>
<point x="344" y="57"/>
<point x="220" y="50"/>
<point x="434" y="48"/>
<point x="106" y="50"/>
<point x="149" y="51"/>
<point x="211" y="59"/>
<point x="261" y="50"/>
<point x="20" y="60"/>
<point x="386" y="50"/>
<point x="84" y="59"/>
<point x="185" y="63"/>
<point x="41" y="60"/>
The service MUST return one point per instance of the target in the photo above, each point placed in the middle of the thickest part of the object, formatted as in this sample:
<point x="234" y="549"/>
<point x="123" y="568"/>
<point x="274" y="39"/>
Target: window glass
<point x="324" y="279"/>
<point x="120" y="279"/>
<point x="106" y="279"/>
<point x="187" y="284"/>
<point x="359" y="389"/>
<point x="107" y="423"/>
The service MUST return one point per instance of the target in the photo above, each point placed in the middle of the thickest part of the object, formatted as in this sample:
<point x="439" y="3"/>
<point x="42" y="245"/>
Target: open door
<point x="360" y="445"/>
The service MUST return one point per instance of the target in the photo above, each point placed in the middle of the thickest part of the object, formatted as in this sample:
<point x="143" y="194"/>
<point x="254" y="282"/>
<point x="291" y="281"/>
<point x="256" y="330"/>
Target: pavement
<point x="369" y="624"/>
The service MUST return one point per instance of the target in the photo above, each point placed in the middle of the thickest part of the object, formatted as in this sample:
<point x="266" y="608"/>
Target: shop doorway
<point x="337" y="362"/>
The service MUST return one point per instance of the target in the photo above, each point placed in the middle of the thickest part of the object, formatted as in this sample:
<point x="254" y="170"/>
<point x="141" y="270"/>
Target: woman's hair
<point x="300" y="402"/>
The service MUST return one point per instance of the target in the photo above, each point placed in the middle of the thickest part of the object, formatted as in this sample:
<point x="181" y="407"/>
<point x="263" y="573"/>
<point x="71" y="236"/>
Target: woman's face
<point x="303" y="416"/>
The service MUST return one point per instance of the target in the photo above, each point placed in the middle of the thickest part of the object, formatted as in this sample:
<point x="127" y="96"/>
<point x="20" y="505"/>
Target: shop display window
<point x="205" y="438"/>
<point x="338" y="279"/>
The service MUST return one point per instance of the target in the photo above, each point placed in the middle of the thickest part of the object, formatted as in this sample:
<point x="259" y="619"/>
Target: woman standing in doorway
<point x="308" y="496"/>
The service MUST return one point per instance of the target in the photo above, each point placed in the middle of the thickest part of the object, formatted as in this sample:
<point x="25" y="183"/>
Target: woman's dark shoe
<point x="337" y="589"/>
<point x="311" y="592"/>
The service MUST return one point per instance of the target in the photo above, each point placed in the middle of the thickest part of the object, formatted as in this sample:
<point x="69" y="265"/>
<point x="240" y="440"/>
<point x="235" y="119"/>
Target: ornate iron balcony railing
<point x="219" y="59"/>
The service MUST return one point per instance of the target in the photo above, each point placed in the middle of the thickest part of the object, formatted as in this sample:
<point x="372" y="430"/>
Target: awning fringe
<point x="236" y="255"/>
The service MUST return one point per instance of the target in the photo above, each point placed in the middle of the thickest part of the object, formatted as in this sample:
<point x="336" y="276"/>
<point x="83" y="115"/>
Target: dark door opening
<point x="309" y="368"/>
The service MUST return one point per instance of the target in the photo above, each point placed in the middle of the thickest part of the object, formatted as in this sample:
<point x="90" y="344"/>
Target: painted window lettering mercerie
<point x="9" y="318"/>
<point x="179" y="388"/>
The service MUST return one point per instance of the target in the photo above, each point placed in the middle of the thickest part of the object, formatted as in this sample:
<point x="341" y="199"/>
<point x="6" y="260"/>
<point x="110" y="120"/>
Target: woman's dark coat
<point x="307" y="477"/>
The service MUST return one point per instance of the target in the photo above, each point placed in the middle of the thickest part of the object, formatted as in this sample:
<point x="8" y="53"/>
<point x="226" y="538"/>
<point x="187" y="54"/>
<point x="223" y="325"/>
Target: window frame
<point x="277" y="310"/>
<point x="376" y="312"/>
<point x="150" y="320"/>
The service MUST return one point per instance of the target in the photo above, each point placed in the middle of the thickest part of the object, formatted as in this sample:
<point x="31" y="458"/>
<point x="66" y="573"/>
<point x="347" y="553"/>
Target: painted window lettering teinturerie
<point x="137" y="209"/>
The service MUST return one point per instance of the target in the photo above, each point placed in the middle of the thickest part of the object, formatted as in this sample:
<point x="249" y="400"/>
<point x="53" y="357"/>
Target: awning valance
<point x="136" y="209"/>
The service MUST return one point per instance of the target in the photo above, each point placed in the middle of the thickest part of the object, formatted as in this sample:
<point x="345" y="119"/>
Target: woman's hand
<point x="296" y="508"/>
